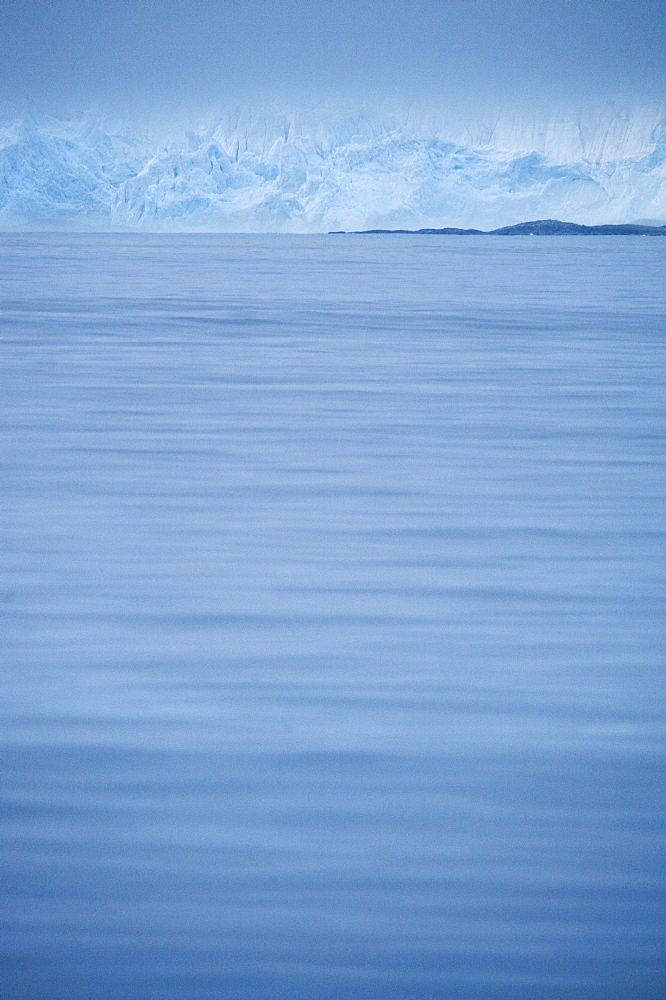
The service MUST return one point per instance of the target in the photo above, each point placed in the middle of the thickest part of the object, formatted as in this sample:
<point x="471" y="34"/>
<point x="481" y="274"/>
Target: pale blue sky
<point x="55" y="52"/>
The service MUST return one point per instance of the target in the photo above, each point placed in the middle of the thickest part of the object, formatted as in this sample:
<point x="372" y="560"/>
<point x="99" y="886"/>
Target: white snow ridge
<point x="313" y="171"/>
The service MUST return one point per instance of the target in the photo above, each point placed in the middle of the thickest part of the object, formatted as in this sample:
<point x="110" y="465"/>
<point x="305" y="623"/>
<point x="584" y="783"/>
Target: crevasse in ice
<point x="312" y="171"/>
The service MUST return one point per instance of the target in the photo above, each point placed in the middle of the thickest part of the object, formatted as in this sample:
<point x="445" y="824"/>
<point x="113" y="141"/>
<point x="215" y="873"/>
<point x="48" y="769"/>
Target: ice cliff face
<point x="59" y="170"/>
<point x="315" y="171"/>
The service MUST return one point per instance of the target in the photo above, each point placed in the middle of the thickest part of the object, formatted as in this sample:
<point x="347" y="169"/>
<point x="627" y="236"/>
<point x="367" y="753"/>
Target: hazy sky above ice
<point x="63" y="53"/>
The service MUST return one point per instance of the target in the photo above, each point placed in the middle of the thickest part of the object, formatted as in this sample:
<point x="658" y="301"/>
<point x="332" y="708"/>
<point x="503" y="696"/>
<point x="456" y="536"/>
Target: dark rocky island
<point x="543" y="227"/>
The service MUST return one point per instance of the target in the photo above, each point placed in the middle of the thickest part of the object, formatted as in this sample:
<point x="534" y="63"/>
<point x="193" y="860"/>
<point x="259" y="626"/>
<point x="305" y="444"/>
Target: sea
<point x="332" y="610"/>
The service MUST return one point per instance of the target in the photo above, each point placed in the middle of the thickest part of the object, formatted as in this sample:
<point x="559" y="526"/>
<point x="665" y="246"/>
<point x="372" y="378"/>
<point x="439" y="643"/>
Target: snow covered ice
<point x="286" y="170"/>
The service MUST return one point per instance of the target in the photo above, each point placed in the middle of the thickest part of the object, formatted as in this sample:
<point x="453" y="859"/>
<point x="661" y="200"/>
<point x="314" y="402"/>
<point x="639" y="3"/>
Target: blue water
<point x="332" y="604"/>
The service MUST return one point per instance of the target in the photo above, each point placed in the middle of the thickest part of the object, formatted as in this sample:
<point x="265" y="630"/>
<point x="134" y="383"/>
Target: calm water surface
<point x="331" y="595"/>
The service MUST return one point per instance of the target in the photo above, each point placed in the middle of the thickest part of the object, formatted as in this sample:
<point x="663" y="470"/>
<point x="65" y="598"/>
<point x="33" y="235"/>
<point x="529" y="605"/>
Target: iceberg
<point x="317" y="170"/>
<point x="62" y="171"/>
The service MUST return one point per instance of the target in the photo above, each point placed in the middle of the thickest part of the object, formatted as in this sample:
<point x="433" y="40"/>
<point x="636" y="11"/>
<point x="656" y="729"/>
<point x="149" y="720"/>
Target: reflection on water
<point x="331" y="594"/>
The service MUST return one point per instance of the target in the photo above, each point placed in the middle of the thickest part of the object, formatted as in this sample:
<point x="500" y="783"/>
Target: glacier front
<point x="313" y="170"/>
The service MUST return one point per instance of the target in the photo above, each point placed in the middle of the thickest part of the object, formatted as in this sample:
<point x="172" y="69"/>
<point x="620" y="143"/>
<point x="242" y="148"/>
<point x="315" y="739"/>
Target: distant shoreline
<point x="542" y="227"/>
